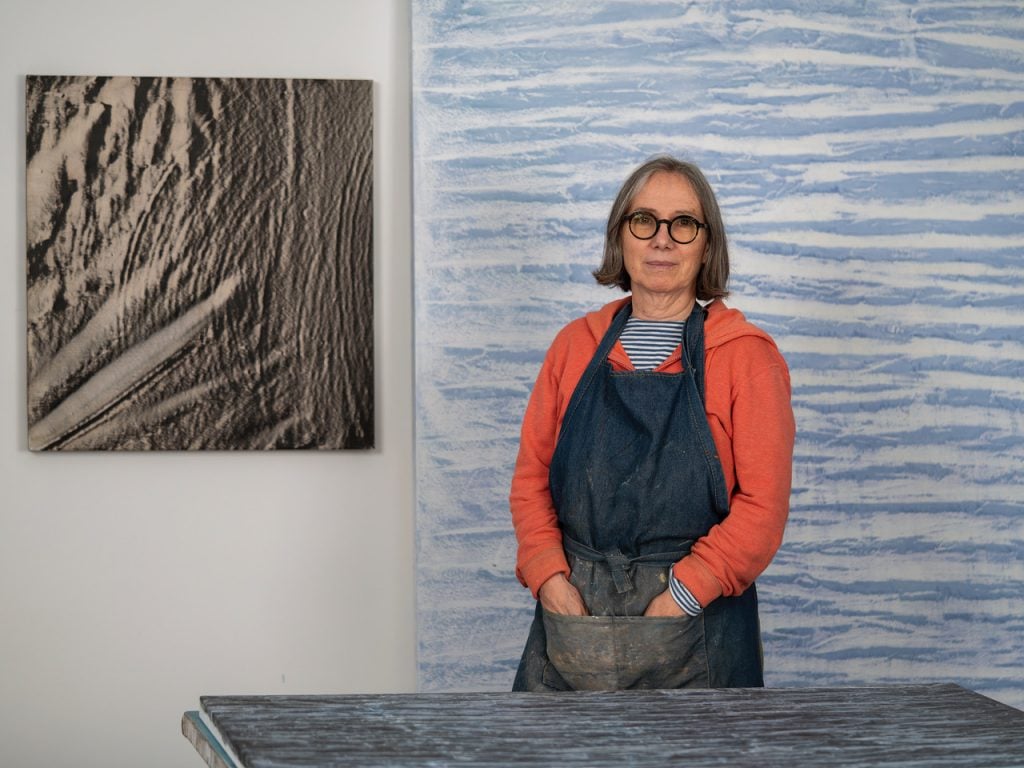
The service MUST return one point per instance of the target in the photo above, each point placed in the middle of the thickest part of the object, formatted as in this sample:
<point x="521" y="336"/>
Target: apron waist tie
<point x="621" y="566"/>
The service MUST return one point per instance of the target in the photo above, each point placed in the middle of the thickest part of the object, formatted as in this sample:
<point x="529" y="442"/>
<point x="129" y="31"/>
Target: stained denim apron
<point x="636" y="479"/>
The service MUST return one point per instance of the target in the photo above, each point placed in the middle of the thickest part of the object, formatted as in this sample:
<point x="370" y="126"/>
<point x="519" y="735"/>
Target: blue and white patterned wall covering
<point x="869" y="158"/>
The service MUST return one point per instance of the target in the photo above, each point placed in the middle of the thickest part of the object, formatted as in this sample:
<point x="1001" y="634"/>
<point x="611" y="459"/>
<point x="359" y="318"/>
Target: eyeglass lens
<point x="682" y="229"/>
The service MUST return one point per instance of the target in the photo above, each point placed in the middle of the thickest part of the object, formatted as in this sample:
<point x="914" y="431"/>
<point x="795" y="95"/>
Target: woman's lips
<point x="660" y="264"/>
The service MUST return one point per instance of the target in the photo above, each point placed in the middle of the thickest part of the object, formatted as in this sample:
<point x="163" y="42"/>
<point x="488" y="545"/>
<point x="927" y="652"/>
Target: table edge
<point x="205" y="742"/>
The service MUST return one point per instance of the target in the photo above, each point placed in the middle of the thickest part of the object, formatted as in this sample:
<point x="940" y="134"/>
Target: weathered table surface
<point x="919" y="725"/>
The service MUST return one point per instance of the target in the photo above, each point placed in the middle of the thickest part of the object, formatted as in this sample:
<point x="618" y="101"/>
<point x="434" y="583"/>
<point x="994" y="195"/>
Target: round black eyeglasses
<point x="682" y="229"/>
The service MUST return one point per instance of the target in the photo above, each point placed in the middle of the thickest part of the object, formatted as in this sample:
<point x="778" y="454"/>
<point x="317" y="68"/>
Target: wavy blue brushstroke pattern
<point x="868" y="158"/>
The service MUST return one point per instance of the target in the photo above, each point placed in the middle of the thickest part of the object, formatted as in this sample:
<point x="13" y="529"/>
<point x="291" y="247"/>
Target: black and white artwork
<point x="199" y="263"/>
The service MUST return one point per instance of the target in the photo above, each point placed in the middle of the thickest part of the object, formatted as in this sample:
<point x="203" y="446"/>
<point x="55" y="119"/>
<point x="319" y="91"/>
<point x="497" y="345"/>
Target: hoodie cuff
<point x="699" y="581"/>
<point x="542" y="567"/>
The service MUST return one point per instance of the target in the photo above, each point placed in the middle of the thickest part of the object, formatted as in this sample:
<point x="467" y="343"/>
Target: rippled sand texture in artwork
<point x="199" y="263"/>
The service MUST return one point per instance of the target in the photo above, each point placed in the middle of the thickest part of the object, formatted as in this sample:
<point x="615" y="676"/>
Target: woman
<point x="653" y="477"/>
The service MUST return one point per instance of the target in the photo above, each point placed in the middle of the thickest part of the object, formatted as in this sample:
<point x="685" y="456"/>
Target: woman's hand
<point x="664" y="605"/>
<point x="557" y="595"/>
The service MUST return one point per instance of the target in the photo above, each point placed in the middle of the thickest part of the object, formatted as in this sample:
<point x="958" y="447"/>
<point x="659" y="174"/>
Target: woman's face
<point x="661" y="265"/>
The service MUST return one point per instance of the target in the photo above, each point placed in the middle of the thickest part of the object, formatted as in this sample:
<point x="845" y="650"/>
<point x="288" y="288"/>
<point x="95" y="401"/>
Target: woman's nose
<point x="661" y="238"/>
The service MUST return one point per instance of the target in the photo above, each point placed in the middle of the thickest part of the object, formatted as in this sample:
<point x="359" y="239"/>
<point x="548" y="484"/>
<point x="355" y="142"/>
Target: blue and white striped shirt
<point x="649" y="342"/>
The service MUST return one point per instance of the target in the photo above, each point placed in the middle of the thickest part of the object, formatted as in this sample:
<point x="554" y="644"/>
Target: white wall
<point x="130" y="584"/>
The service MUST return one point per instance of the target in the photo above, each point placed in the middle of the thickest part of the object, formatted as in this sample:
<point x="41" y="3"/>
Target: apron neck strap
<point x="613" y="332"/>
<point x="693" y="346"/>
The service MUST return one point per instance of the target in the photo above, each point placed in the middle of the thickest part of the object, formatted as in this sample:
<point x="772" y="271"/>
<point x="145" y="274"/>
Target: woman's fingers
<point x="663" y="605"/>
<point x="575" y="599"/>
<point x="557" y="595"/>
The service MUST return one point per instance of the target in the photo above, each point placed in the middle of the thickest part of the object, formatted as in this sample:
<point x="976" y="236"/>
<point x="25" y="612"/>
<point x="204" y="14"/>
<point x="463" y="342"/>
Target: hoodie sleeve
<point x="754" y="434"/>
<point x="540" y="554"/>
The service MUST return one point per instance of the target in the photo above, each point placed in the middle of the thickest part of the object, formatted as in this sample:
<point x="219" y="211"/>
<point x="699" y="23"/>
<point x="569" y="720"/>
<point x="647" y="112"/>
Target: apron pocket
<point x="610" y="653"/>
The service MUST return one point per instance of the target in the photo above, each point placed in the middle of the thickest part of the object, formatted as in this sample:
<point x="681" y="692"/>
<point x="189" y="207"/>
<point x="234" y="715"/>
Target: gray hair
<point x="714" y="273"/>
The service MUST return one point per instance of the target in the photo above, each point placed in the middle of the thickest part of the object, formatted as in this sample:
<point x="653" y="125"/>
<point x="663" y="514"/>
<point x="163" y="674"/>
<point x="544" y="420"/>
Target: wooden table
<point x="922" y="725"/>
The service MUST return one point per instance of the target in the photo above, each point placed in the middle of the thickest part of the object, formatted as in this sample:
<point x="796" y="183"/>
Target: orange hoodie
<point x="751" y="419"/>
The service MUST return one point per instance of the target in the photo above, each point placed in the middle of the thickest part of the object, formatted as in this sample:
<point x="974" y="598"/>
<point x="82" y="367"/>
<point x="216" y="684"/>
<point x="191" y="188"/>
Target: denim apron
<point x="635" y="479"/>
